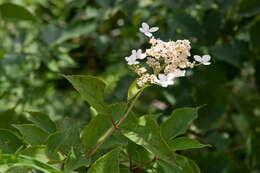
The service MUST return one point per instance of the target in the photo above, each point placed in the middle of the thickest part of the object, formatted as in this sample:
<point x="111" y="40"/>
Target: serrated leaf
<point x="8" y="162"/>
<point x="133" y="90"/>
<point x="43" y="121"/>
<point x="91" y="89"/>
<point x="184" y="143"/>
<point x="178" y="122"/>
<point x="15" y="12"/>
<point x="9" y="142"/>
<point x="100" y="125"/>
<point x="147" y="134"/>
<point x="107" y="163"/>
<point x="32" y="134"/>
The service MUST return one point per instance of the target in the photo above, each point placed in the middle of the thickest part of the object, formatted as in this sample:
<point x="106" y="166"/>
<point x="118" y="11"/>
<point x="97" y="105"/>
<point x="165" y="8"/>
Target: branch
<point x="115" y="127"/>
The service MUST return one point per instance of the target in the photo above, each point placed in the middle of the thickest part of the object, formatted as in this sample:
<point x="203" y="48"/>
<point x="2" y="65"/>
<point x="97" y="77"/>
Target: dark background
<point x="93" y="37"/>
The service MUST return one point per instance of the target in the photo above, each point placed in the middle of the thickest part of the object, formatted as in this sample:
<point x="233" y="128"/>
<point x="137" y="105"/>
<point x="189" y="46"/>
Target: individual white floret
<point x="131" y="60"/>
<point x="203" y="60"/>
<point x="147" y="30"/>
<point x="138" y="54"/>
<point x="165" y="80"/>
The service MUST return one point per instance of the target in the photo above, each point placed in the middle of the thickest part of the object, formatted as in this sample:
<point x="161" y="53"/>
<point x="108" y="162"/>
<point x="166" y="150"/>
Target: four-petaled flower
<point x="132" y="59"/>
<point x="203" y="60"/>
<point x="147" y="30"/>
<point x="165" y="80"/>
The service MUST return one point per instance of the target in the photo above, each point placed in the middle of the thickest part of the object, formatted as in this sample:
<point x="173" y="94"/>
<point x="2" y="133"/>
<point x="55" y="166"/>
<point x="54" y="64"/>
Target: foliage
<point x="42" y="39"/>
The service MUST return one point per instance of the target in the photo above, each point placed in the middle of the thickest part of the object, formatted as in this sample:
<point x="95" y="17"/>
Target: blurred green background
<point x="43" y="39"/>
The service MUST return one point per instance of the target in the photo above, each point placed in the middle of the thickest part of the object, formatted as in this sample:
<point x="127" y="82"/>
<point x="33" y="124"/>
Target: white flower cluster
<point x="168" y="60"/>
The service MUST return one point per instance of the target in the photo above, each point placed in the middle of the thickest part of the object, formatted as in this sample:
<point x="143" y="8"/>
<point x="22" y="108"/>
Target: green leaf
<point x="249" y="8"/>
<point x="107" y="163"/>
<point x="43" y="121"/>
<point x="67" y="136"/>
<point x="133" y="90"/>
<point x="147" y="134"/>
<point x="91" y="89"/>
<point x="9" y="142"/>
<point x="100" y="125"/>
<point x="32" y="134"/>
<point x="8" y="162"/>
<point x="254" y="34"/>
<point x="39" y="152"/>
<point x="14" y="12"/>
<point x="74" y="162"/>
<point x="50" y="33"/>
<point x="184" y="143"/>
<point x="183" y="162"/>
<point x="178" y="122"/>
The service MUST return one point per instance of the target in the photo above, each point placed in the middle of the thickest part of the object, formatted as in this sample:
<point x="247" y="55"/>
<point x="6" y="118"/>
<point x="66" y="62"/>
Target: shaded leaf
<point x="9" y="142"/>
<point x="133" y="90"/>
<point x="91" y="89"/>
<point x="43" y="121"/>
<point x="32" y="134"/>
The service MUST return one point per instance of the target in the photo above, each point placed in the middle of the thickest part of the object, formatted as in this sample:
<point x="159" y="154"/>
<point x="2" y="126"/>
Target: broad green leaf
<point x="254" y="33"/>
<point x="91" y="89"/>
<point x="43" y="121"/>
<point x="107" y="163"/>
<point x="184" y="143"/>
<point x="15" y="12"/>
<point x="147" y="134"/>
<point x="100" y="125"/>
<point x="178" y="122"/>
<point x="73" y="161"/>
<point x="8" y="162"/>
<point x="9" y="142"/>
<point x="32" y="134"/>
<point x="67" y="136"/>
<point x="183" y="162"/>
<point x="133" y="90"/>
<point x="39" y="152"/>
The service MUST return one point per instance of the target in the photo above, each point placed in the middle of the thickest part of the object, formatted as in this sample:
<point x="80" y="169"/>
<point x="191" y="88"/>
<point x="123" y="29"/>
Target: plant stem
<point x="115" y="127"/>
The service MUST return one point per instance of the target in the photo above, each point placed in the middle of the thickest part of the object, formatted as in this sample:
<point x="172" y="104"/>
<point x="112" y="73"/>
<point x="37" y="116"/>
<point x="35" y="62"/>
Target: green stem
<point x="115" y="127"/>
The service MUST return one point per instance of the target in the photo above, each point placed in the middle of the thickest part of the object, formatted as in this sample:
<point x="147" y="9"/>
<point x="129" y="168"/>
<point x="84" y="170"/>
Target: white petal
<point x="182" y="73"/>
<point x="148" y="34"/>
<point x="127" y="58"/>
<point x="139" y="52"/>
<point x="197" y="58"/>
<point x="163" y="84"/>
<point x="206" y="63"/>
<point x="205" y="58"/>
<point x="170" y="76"/>
<point x="141" y="29"/>
<point x="133" y="52"/>
<point x="170" y="82"/>
<point x="154" y="29"/>
<point x="145" y="26"/>
<point x="162" y="77"/>
<point x="142" y="56"/>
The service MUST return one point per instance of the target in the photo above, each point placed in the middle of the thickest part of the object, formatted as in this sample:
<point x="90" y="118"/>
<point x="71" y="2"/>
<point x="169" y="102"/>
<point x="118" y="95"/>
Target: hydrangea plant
<point x="117" y="139"/>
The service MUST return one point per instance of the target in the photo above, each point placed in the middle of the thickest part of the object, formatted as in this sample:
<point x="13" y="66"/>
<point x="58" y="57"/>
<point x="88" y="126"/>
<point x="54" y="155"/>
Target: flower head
<point x="147" y="30"/>
<point x="203" y="60"/>
<point x="165" y="80"/>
